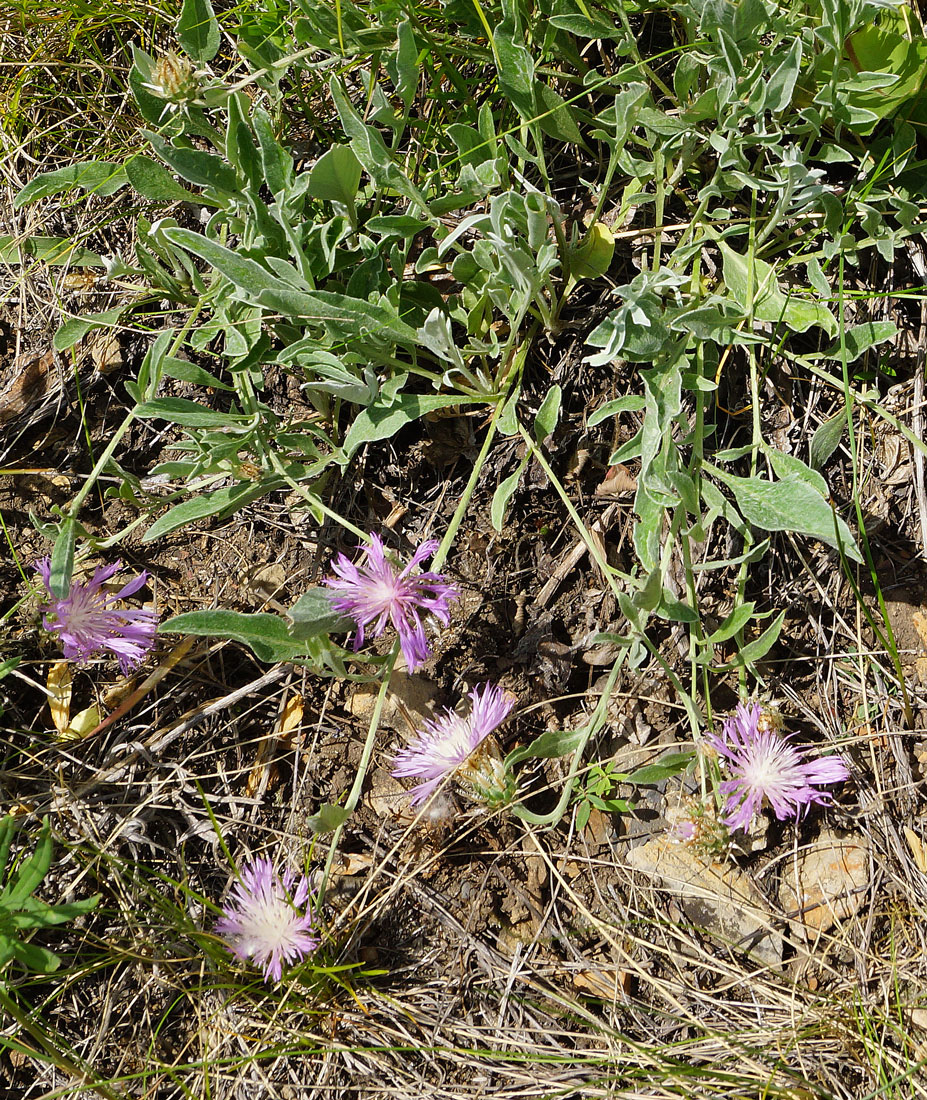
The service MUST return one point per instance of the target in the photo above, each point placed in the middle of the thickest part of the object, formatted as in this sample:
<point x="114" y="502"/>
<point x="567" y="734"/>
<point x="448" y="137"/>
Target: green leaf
<point x="405" y="72"/>
<point x="675" y="610"/>
<point x="737" y="620"/>
<point x="757" y="649"/>
<point x="765" y="298"/>
<point x="97" y="177"/>
<point x="62" y="559"/>
<point x="860" y="338"/>
<point x="548" y="414"/>
<point x="55" y="251"/>
<point x="631" y="403"/>
<point x="371" y="150"/>
<point x="275" y="160"/>
<point x="383" y="418"/>
<point x="35" y="913"/>
<point x="196" y="165"/>
<point x="584" y="26"/>
<point x="7" y="830"/>
<point x="507" y="424"/>
<point x="179" y="410"/>
<point x="335" y="176"/>
<point x="186" y="371"/>
<point x="265" y="635"/>
<point x="395" y="225"/>
<point x="593" y="255"/>
<point x="781" y="84"/>
<point x="265" y="288"/>
<point x="312" y="614"/>
<point x="516" y="66"/>
<point x="666" y="767"/>
<point x="153" y="181"/>
<point x="29" y="874"/>
<point x="198" y="31"/>
<point x="36" y="959"/>
<point x="875" y="49"/>
<point x="328" y="818"/>
<point x="826" y="439"/>
<point x="785" y="466"/>
<point x="555" y="116"/>
<point x="221" y="502"/>
<point x="503" y="494"/>
<point x="548" y="745"/>
<point x="650" y="593"/>
<point x="791" y="504"/>
<point x="77" y="328"/>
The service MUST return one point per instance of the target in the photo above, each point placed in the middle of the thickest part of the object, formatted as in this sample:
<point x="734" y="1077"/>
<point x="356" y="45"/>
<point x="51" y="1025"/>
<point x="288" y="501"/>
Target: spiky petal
<point x="763" y="764"/>
<point x="373" y="592"/>
<point x="88" y="621"/>
<point x="461" y="747"/>
<point x="264" y="920"/>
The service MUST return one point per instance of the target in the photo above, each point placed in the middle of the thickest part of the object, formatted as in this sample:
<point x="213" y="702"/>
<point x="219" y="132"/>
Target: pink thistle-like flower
<point x="264" y="920"/>
<point x="87" y="620"/>
<point x="375" y="593"/>
<point x="461" y="747"/>
<point x="764" y="764"/>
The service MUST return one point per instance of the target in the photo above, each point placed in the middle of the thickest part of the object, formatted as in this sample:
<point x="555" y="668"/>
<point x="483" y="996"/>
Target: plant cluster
<point x="758" y="156"/>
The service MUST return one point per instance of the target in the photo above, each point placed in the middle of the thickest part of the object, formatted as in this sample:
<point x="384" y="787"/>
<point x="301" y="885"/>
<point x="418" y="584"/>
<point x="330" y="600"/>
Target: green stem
<point x="110" y="449"/>
<point x="596" y="722"/>
<point x="611" y="576"/>
<point x="891" y="645"/>
<point x="358" y="785"/>
<point x="511" y="379"/>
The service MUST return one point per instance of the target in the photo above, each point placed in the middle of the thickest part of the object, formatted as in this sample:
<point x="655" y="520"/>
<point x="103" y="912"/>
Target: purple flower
<point x="375" y="593"/>
<point x="764" y="764"/>
<point x="264" y="921"/>
<point x="87" y="620"/>
<point x="461" y="747"/>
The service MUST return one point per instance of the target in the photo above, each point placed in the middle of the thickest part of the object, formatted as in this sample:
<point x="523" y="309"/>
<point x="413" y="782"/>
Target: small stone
<point x="388" y="798"/>
<point x="408" y="704"/>
<point x="717" y="897"/>
<point x="825" y="883"/>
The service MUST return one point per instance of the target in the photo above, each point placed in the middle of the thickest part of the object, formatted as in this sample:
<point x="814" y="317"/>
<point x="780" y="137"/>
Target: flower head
<point x="764" y="764"/>
<point x="87" y="620"/>
<point x="694" y="821"/>
<point x="171" y="78"/>
<point x="461" y="747"/>
<point x="375" y="593"/>
<point x="264" y="920"/>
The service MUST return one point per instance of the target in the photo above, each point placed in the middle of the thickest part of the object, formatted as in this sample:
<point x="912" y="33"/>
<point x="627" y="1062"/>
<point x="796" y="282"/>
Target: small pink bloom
<point x="452" y="745"/>
<point x="374" y="592"/>
<point x="765" y="765"/>
<point x="263" y="920"/>
<point x="87" y="620"/>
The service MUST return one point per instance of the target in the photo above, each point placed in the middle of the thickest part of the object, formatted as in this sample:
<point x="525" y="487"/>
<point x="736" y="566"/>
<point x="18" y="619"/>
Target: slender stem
<point x="596" y="722"/>
<point x="110" y="448"/>
<point x="611" y="576"/>
<point x="358" y="785"/>
<point x="511" y="377"/>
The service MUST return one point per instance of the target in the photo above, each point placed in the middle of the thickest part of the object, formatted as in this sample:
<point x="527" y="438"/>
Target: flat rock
<point x="826" y="882"/>
<point x="717" y="897"/>
<point x="409" y="702"/>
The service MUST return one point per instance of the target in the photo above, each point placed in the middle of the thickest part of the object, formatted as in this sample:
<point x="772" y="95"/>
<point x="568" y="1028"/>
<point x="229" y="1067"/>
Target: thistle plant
<point x="266" y="920"/>
<point x="463" y="749"/>
<point x="88" y="620"/>
<point x="765" y="766"/>
<point x="376" y="593"/>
